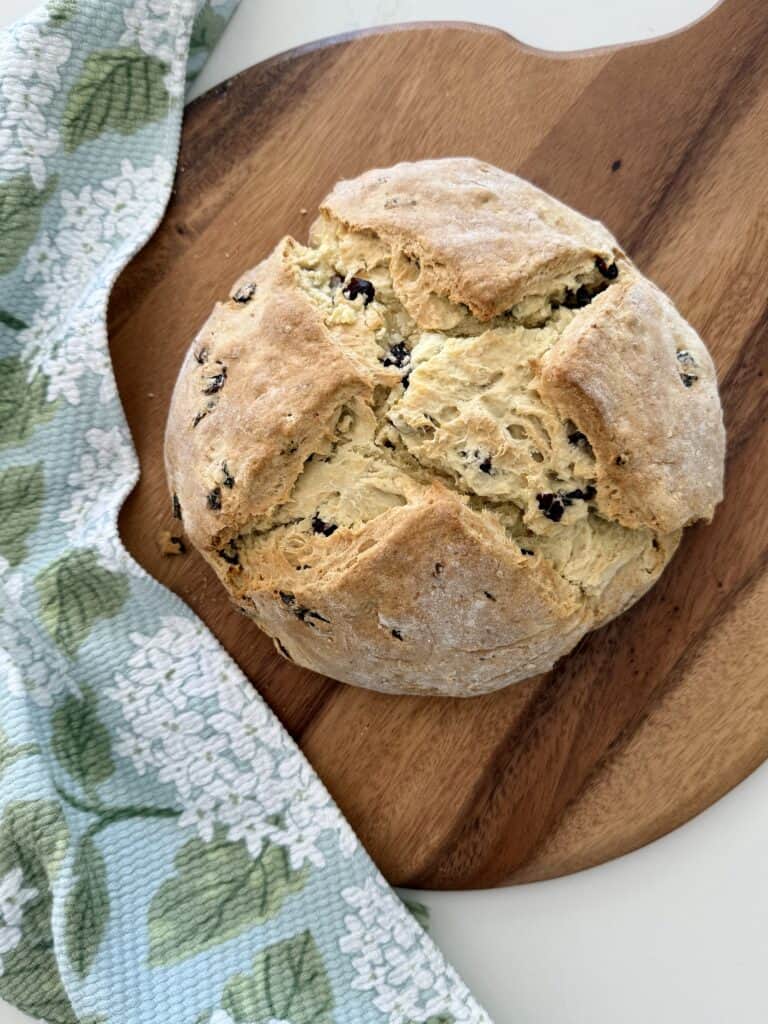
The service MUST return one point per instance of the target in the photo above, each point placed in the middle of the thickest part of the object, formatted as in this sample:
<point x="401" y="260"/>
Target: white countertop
<point x="675" y="933"/>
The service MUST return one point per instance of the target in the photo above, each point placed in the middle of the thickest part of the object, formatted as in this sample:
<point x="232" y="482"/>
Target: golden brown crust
<point x="618" y="371"/>
<point x="283" y="387"/>
<point x="428" y="601"/>
<point x="481" y="236"/>
<point x="412" y="499"/>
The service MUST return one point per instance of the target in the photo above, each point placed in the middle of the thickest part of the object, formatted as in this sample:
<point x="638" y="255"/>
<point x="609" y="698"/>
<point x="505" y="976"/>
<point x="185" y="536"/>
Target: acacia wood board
<point x="658" y="714"/>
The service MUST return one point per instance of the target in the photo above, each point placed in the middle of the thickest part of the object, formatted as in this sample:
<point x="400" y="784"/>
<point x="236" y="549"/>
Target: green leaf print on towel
<point x="74" y="592"/>
<point x="61" y="11"/>
<point x="14" y="322"/>
<point x="21" y="495"/>
<point x="118" y="90"/>
<point x="9" y="753"/>
<point x="81" y="744"/>
<point x="418" y="911"/>
<point x="23" y="402"/>
<point x="206" y="29"/>
<point x="21" y="205"/>
<point x="33" y="841"/>
<point x="288" y="982"/>
<point x="87" y="907"/>
<point x="219" y="891"/>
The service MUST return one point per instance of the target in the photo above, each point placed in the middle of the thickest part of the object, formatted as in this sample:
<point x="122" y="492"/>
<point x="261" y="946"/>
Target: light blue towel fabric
<point x="166" y="853"/>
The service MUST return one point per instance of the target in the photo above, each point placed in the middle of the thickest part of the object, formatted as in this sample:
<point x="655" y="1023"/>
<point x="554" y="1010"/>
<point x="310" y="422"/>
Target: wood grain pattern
<point x="653" y="717"/>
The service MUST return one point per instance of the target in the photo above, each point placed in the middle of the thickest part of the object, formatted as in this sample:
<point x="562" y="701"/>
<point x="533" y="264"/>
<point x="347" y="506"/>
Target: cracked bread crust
<point x="432" y="449"/>
<point x="659" y="444"/>
<point x="482" y="237"/>
<point x="284" y="379"/>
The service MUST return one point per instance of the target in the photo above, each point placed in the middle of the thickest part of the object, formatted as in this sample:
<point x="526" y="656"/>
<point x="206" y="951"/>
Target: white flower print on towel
<point x="13" y="896"/>
<point x="62" y="342"/>
<point x="27" y="89"/>
<point x="396" y="961"/>
<point x="233" y="767"/>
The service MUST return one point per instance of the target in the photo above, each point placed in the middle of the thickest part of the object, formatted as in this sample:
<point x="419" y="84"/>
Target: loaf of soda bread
<point x="431" y="449"/>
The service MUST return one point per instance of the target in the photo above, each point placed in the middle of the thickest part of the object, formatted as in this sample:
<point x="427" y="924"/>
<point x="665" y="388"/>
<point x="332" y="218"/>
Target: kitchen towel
<point x="166" y="852"/>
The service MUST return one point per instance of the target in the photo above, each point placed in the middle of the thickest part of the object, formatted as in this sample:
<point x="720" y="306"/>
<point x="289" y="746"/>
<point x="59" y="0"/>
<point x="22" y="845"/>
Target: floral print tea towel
<point x="166" y="853"/>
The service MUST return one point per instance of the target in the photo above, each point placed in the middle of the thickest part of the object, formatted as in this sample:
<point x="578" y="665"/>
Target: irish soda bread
<point x="430" y="450"/>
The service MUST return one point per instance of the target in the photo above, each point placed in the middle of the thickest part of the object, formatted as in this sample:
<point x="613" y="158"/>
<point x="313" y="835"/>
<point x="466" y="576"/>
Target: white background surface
<point x="676" y="933"/>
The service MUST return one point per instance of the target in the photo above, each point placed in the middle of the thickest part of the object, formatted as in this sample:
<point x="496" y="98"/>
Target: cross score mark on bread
<point x="430" y="450"/>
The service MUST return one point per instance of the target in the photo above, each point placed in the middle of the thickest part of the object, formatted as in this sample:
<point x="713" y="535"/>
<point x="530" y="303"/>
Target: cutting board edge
<point x="342" y="38"/>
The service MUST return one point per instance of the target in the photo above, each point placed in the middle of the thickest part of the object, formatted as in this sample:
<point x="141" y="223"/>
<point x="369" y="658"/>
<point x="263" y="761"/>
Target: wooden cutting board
<point x="657" y="715"/>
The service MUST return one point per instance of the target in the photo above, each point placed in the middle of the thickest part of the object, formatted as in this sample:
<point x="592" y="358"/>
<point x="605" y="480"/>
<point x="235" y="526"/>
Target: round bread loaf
<point x="430" y="450"/>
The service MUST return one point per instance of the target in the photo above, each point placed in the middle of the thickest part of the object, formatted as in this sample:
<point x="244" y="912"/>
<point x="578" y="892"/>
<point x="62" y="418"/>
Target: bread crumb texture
<point x="432" y="448"/>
